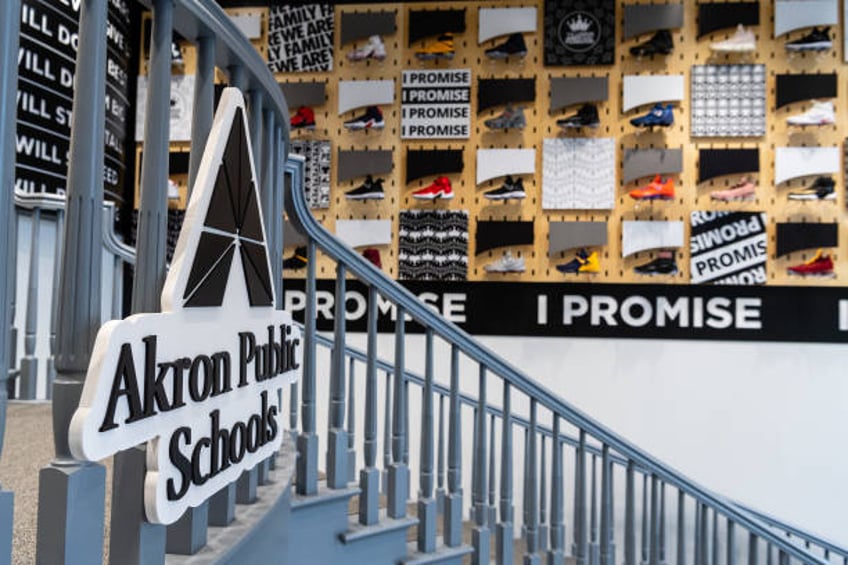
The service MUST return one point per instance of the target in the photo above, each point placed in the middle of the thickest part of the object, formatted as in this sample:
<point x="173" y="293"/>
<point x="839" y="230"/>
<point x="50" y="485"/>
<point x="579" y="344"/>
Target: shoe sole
<point x="310" y="128"/>
<point x="506" y="55"/>
<point x="733" y="198"/>
<point x="652" y="197"/>
<point x="655" y="273"/>
<point x="819" y="46"/>
<point x="508" y="126"/>
<point x="831" y="196"/>
<point x="579" y="126"/>
<point x="792" y="122"/>
<point x="830" y="275"/>
<point x="369" y="196"/>
<point x="429" y="57"/>
<point x="660" y="125"/>
<point x="734" y="49"/>
<point x="442" y="195"/>
<point x="365" y="58"/>
<point x="357" y="127"/>
<point x="504" y="270"/>
<point x="506" y="196"/>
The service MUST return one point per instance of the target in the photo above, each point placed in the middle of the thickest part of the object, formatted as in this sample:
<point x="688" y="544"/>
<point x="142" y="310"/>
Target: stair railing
<point x="596" y="527"/>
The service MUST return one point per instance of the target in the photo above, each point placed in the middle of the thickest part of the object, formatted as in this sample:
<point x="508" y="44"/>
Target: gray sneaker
<point x="509" y="118"/>
<point x="506" y="264"/>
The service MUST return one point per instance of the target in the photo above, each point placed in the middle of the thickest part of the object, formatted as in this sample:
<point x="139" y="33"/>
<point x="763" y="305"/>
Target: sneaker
<point x="176" y="55"/>
<point x="659" y="115"/>
<point x="574" y="265"/>
<point x="369" y="190"/>
<point x="373" y="255"/>
<point x="371" y="119"/>
<point x="304" y="118"/>
<point x="441" y="188"/>
<point x="513" y="46"/>
<point x="664" y="264"/>
<point x="173" y="190"/>
<point x="816" y="40"/>
<point x="297" y="260"/>
<point x="743" y="190"/>
<point x="374" y="49"/>
<point x="819" y="266"/>
<point x="660" y="44"/>
<point x="819" y="114"/>
<point x="742" y="41"/>
<point x="442" y="48"/>
<point x="586" y="117"/>
<point x="824" y="188"/>
<point x="509" y="189"/>
<point x="591" y="264"/>
<point x="657" y="189"/>
<point x="506" y="264"/>
<point x="509" y="118"/>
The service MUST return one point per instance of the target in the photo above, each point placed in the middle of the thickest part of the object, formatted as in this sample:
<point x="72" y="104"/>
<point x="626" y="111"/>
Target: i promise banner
<point x="435" y="104"/>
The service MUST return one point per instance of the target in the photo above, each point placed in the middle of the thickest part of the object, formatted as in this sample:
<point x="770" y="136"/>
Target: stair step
<point x="323" y="496"/>
<point x="443" y="554"/>
<point x="385" y="525"/>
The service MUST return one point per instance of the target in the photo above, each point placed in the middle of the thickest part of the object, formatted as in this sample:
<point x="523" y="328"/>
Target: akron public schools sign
<point x="201" y="382"/>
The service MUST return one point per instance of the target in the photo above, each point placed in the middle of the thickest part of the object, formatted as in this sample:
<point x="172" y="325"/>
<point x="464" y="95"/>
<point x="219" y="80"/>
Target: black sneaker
<point x="371" y="119"/>
<point x="509" y="189"/>
<point x="586" y="117"/>
<point x="369" y="190"/>
<point x="514" y="46"/>
<point x="297" y="260"/>
<point x="816" y="40"/>
<point x="659" y="266"/>
<point x="660" y="44"/>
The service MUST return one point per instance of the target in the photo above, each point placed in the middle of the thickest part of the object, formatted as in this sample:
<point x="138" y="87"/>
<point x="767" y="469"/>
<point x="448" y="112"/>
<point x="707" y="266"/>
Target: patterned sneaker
<point x="659" y="115"/>
<point x="371" y="119"/>
<point x="658" y="189"/>
<point x="509" y="118"/>
<point x="441" y="188"/>
<point x="509" y="189"/>
<point x="304" y="118"/>
<point x="819" y="266"/>
<point x="824" y="188"/>
<point x="374" y="49"/>
<point x="743" y="41"/>
<point x="442" y="48"/>
<point x="369" y="190"/>
<point x="506" y="264"/>
<point x="743" y="190"/>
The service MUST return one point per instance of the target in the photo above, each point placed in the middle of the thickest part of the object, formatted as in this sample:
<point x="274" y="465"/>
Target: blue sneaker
<point x="658" y="116"/>
<point x="574" y="265"/>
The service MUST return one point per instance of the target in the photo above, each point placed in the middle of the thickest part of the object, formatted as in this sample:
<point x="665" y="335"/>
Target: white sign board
<point x="435" y="104"/>
<point x="202" y="381"/>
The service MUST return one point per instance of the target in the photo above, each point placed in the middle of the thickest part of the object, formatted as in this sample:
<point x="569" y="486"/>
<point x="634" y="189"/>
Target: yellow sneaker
<point x="442" y="48"/>
<point x="591" y="265"/>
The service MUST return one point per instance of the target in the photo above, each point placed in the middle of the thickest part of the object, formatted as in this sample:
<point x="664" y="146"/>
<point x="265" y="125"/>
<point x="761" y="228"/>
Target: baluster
<point x="294" y="398"/>
<point x="351" y="423"/>
<point x="255" y="104"/>
<point x="655" y="521"/>
<point x="769" y="555"/>
<point x="337" y="467"/>
<point x="474" y="464"/>
<point x="492" y="509"/>
<point x="387" y="432"/>
<point x="531" y="533"/>
<point x="556" y="553"/>
<point x="29" y="363"/>
<point x="705" y="544"/>
<point x="307" y="442"/>
<point x="54" y="301"/>
<point x="681" y="527"/>
<point x="406" y="420"/>
<point x="611" y="513"/>
<point x="480" y="532"/>
<point x="753" y="549"/>
<point x="645" y="530"/>
<point x="279" y="206"/>
<point x="525" y="495"/>
<point x="504" y="551"/>
<point x="203" y="108"/>
<point x="398" y="471"/>
<point x="715" y="538"/>
<point x="697" y="556"/>
<point x="440" y="458"/>
<point x="427" y="511"/>
<point x="606" y="496"/>
<point x="731" y="543"/>
<point x="543" y="501"/>
<point x="453" y="499"/>
<point x="369" y="477"/>
<point x="782" y="557"/>
<point x="272" y="214"/>
<point x="594" y="548"/>
<point x="630" y="516"/>
<point x="580" y="533"/>
<point x="662" y="524"/>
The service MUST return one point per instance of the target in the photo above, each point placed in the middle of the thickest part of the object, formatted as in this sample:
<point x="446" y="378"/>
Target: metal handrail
<point x="298" y="211"/>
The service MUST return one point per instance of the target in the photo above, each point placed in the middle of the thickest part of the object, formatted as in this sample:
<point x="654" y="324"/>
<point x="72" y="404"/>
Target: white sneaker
<point x="742" y="41"/>
<point x="819" y="114"/>
<point x="506" y="264"/>
<point x="173" y="190"/>
<point x="374" y="49"/>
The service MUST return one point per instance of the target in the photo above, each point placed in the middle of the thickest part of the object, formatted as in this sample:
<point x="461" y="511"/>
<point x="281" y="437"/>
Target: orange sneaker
<point x="656" y="190"/>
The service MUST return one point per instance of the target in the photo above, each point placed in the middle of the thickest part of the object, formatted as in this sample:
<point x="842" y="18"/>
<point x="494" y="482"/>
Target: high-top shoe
<point x="823" y="188"/>
<point x="440" y="188"/>
<point x="573" y="266"/>
<point x="659" y="115"/>
<point x="513" y="46"/>
<point x="369" y="190"/>
<point x="819" y="114"/>
<point x="742" y="41"/>
<point x="297" y="260"/>
<point x="373" y="255"/>
<point x="664" y="264"/>
<point x="586" y="117"/>
<point x="816" y="40"/>
<point x="657" y="189"/>
<point x="509" y="189"/>
<point x="374" y="49"/>
<point x="743" y="190"/>
<point x="819" y="266"/>
<point x="442" y="48"/>
<point x="371" y="119"/>
<point x="506" y="264"/>
<point x="660" y="44"/>
<point x="304" y="118"/>
<point x="511" y="117"/>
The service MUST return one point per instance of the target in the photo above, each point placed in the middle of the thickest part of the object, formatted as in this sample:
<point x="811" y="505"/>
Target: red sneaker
<point x="441" y="188"/>
<point x="656" y="190"/>
<point x="303" y="119"/>
<point x="819" y="266"/>
<point x="373" y="255"/>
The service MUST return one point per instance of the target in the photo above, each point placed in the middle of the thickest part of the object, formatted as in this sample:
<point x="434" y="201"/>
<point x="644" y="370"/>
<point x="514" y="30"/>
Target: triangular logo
<point x="229" y="234"/>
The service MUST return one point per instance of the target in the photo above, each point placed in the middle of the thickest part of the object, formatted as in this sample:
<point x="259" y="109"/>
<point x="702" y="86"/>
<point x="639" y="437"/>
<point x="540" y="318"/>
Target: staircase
<point x="473" y="461"/>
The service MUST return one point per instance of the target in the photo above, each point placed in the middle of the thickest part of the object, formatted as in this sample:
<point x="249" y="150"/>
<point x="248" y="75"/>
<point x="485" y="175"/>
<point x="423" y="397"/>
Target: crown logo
<point x="578" y="24"/>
